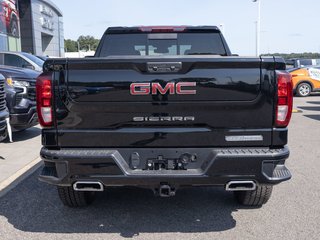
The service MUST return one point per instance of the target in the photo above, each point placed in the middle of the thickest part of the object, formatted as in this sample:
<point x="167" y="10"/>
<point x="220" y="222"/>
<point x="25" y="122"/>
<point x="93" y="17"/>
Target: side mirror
<point x="28" y="66"/>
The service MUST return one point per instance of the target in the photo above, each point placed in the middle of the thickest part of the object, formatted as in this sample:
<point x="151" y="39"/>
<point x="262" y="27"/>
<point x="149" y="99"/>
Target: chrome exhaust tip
<point x="88" y="186"/>
<point x="241" y="186"/>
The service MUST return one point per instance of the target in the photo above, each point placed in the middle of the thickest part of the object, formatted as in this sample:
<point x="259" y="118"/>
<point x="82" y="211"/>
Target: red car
<point x="9" y="17"/>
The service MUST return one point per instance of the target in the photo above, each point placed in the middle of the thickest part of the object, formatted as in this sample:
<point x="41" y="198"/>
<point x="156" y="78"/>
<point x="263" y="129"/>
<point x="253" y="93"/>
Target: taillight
<point x="285" y="99"/>
<point x="44" y="99"/>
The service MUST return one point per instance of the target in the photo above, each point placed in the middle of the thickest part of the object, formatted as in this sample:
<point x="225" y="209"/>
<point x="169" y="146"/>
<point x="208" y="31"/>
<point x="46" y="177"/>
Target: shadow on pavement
<point x="25" y="135"/>
<point x="314" y="117"/>
<point x="34" y="207"/>
<point x="314" y="102"/>
<point x="310" y="108"/>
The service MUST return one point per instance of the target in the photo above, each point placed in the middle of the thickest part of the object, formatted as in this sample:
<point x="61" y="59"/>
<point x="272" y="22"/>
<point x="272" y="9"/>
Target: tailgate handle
<point x="164" y="67"/>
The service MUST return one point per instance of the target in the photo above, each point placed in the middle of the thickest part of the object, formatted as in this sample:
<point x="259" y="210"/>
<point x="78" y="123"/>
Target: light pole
<point x="79" y="49"/>
<point x="222" y="28"/>
<point x="258" y="28"/>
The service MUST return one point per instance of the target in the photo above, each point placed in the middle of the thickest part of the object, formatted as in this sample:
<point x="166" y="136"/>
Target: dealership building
<point x="40" y="27"/>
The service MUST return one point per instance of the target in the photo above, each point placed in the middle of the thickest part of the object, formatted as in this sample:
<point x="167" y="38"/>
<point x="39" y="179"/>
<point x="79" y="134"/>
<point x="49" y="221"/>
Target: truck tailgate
<point x="229" y="102"/>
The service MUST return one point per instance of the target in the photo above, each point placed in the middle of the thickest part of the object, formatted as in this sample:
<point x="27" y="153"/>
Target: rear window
<point x="159" y="44"/>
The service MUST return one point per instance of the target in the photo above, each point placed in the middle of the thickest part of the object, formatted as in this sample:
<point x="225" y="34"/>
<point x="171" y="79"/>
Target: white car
<point x="22" y="60"/>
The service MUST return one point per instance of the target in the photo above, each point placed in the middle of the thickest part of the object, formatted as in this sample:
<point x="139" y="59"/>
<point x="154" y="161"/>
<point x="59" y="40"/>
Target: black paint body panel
<point x="94" y="108"/>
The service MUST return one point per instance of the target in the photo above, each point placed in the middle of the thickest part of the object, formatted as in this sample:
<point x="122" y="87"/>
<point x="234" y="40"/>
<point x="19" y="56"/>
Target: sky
<point x="286" y="25"/>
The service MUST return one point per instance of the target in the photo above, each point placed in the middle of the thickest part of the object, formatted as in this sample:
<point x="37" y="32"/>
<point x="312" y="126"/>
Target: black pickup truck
<point x="163" y="108"/>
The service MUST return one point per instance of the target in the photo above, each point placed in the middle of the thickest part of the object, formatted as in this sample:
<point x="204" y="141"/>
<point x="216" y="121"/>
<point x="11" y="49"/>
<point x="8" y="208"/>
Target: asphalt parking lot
<point x="32" y="209"/>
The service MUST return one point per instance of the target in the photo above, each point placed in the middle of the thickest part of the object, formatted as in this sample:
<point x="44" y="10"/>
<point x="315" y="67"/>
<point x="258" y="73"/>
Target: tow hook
<point x="167" y="191"/>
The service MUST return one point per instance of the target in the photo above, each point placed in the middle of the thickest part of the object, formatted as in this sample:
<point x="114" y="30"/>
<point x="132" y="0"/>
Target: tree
<point x="88" y="43"/>
<point x="70" y="45"/>
<point x="295" y="55"/>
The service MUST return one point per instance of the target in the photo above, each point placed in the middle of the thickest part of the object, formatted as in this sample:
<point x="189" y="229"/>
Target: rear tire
<point x="304" y="89"/>
<point x="254" y="198"/>
<point x="75" y="199"/>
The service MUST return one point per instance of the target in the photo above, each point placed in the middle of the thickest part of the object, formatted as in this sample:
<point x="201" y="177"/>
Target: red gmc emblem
<point x="182" y="88"/>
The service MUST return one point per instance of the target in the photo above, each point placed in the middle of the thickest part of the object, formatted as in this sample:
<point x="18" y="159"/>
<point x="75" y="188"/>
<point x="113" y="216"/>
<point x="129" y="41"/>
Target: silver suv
<point x="22" y="60"/>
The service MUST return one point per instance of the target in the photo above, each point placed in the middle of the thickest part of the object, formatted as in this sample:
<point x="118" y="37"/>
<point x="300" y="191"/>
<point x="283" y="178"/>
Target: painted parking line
<point x="296" y="111"/>
<point x="12" y="181"/>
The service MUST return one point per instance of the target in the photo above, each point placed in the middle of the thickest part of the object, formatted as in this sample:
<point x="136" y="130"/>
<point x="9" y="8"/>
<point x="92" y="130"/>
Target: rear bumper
<point x="214" y="167"/>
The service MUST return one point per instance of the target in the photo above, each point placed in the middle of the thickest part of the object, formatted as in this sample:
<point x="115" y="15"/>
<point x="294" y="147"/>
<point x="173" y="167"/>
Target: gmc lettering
<point x="182" y="88"/>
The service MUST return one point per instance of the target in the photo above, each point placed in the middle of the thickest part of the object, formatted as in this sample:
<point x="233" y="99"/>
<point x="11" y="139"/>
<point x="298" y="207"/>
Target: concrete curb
<point x="12" y="181"/>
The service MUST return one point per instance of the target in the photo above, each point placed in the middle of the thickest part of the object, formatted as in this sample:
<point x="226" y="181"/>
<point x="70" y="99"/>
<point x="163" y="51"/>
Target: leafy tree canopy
<point x="70" y="45"/>
<point x="85" y="43"/>
<point x="88" y="43"/>
<point x="294" y="55"/>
